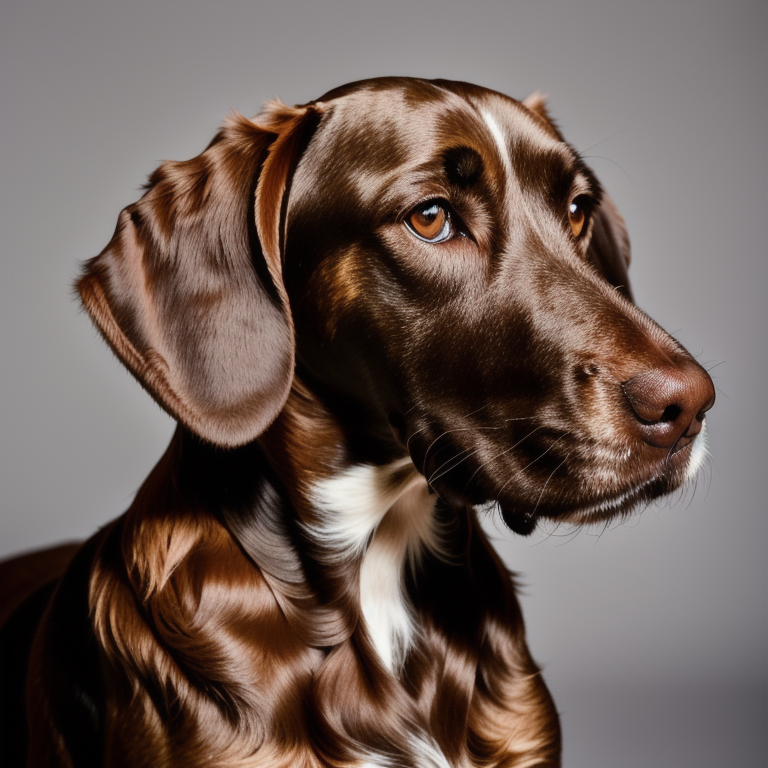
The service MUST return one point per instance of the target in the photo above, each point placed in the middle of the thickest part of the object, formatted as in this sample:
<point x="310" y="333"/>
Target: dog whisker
<point x="602" y="141"/>
<point x="502" y="453"/>
<point x="531" y="463"/>
<point x="569" y="537"/>
<point x="602" y="531"/>
<point x="612" y="162"/>
<point x="450" y="432"/>
<point x="544" y="487"/>
<point x="465" y="454"/>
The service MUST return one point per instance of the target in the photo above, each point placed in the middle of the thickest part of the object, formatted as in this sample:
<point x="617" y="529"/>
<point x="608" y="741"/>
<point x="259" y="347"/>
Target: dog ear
<point x="537" y="103"/>
<point x="189" y="291"/>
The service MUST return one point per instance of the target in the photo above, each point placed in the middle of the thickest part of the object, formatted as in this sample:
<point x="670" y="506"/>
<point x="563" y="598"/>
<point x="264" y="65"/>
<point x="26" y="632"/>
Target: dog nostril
<point x="671" y="412"/>
<point x="670" y="403"/>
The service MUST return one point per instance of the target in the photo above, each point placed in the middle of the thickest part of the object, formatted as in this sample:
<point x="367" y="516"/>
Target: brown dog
<point x="370" y="315"/>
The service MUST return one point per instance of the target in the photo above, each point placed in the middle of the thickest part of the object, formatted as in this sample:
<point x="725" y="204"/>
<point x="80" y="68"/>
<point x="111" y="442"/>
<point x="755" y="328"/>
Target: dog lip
<point x="609" y="506"/>
<point x="683" y="442"/>
<point x="523" y="521"/>
<point x="676" y="461"/>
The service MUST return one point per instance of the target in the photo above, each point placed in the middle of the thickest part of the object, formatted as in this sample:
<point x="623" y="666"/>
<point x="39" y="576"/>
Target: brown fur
<point x="272" y="297"/>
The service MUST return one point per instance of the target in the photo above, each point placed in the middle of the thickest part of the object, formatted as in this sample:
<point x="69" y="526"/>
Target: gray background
<point x="653" y="633"/>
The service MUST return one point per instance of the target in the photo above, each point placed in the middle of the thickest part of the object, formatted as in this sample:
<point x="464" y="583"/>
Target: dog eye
<point x="430" y="222"/>
<point x="578" y="215"/>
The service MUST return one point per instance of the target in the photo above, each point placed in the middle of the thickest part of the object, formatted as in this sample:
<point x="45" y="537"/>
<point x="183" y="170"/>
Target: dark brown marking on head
<point x="463" y="165"/>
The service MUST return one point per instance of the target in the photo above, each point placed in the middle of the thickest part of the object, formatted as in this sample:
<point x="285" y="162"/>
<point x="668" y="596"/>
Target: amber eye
<point x="430" y="222"/>
<point x="577" y="216"/>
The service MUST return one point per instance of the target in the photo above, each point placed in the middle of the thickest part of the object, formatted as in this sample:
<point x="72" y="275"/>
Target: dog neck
<point x="383" y="518"/>
<point x="369" y="517"/>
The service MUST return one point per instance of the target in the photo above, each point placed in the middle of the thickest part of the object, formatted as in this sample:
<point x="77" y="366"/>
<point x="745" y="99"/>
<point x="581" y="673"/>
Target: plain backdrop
<point x="653" y="633"/>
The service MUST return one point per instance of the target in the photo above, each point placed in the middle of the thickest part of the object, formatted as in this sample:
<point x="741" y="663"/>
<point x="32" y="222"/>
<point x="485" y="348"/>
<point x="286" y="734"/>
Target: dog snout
<point x="669" y="403"/>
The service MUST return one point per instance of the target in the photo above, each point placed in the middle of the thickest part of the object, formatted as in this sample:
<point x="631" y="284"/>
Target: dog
<point x="374" y="317"/>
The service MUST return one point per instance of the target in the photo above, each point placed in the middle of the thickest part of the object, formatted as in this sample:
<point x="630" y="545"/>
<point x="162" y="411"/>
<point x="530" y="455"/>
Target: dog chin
<point x="524" y="522"/>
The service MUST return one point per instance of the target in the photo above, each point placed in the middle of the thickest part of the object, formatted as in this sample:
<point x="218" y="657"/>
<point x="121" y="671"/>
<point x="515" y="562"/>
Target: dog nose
<point x="670" y="403"/>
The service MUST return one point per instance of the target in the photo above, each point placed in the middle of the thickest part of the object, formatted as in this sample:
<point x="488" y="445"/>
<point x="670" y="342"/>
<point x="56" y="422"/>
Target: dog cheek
<point x="335" y="288"/>
<point x="344" y="318"/>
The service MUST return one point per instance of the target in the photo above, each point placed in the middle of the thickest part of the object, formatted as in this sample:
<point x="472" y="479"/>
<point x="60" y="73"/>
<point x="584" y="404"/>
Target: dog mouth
<point x="681" y="467"/>
<point x="663" y="478"/>
<point x="554" y="477"/>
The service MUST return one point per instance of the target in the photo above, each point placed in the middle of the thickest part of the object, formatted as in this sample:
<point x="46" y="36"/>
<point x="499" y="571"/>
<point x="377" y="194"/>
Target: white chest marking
<point x="385" y="514"/>
<point x="425" y="750"/>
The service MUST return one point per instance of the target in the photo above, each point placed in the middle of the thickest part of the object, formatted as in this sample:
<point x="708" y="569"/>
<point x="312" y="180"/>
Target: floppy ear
<point x="608" y="249"/>
<point x="189" y="292"/>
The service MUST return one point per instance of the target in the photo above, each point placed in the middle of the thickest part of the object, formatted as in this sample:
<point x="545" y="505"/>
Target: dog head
<point x="440" y="268"/>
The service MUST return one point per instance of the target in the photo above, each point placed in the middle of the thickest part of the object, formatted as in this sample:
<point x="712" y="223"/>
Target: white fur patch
<point x="501" y="142"/>
<point x="699" y="453"/>
<point x="521" y="201"/>
<point x="384" y="513"/>
<point x="426" y="751"/>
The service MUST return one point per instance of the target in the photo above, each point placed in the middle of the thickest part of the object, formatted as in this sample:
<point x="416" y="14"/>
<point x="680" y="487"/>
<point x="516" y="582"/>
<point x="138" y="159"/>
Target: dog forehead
<point x="389" y="123"/>
<point x="372" y="133"/>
